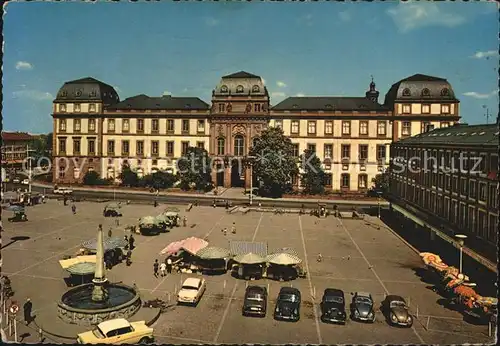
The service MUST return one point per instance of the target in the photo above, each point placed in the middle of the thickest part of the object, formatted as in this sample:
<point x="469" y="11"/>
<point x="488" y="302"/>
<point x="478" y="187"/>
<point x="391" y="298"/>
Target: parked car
<point x="16" y="180"/>
<point x="362" y="307"/>
<point x="111" y="211"/>
<point x="396" y="311"/>
<point x="288" y="304"/>
<point x="191" y="291"/>
<point x="255" y="302"/>
<point x="333" y="306"/>
<point x="222" y="203"/>
<point x="118" y="331"/>
<point x="25" y="182"/>
<point x="62" y="191"/>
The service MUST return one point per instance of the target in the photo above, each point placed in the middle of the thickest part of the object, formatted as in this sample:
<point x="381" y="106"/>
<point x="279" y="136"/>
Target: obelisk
<point x="99" y="292"/>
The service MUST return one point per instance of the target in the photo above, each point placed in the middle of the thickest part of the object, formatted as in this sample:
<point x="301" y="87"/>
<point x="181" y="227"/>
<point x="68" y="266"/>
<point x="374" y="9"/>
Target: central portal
<point x="236" y="174"/>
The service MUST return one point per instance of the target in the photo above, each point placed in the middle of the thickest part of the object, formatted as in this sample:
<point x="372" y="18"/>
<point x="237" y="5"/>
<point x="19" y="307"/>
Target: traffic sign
<point x="14" y="309"/>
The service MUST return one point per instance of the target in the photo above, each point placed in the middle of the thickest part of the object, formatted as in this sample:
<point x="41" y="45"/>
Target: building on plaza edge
<point x="95" y="130"/>
<point x="453" y="182"/>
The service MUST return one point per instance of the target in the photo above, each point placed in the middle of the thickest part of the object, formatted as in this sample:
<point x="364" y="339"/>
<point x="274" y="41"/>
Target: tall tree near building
<point x="195" y="170"/>
<point x="381" y="182"/>
<point x="128" y="177"/>
<point x="313" y="176"/>
<point x="273" y="163"/>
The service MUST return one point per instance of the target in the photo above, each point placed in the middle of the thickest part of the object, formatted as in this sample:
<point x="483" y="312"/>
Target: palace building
<point x="95" y="130"/>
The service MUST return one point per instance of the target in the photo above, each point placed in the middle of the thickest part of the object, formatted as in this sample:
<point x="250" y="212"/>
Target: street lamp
<point x="461" y="238"/>
<point x="379" y="193"/>
<point x="251" y="177"/>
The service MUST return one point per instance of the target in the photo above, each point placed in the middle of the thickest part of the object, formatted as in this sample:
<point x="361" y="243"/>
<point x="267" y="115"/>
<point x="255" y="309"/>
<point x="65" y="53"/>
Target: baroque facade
<point x="94" y="130"/>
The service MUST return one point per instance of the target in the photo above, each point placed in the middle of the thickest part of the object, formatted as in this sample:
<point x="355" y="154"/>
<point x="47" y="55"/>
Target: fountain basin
<point x="77" y="307"/>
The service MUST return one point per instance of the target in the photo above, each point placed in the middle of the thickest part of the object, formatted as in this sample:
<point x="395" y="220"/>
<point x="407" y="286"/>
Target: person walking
<point x="73" y="208"/>
<point x="169" y="265"/>
<point x="163" y="268"/>
<point x="233" y="228"/>
<point x="129" y="258"/>
<point x="27" y="307"/>
<point x="110" y="232"/>
<point x="185" y="221"/>
<point x="155" y="268"/>
<point x="131" y="241"/>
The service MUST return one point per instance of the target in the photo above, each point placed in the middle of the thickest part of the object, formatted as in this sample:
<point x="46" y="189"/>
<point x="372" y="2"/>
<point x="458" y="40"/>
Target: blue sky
<point x="298" y="48"/>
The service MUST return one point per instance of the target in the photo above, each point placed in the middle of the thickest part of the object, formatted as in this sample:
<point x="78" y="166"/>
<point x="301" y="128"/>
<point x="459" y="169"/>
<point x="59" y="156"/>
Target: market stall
<point x="282" y="265"/>
<point x="213" y="259"/>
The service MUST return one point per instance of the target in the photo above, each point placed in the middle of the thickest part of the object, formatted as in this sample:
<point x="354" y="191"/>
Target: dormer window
<point x="77" y="108"/>
<point x="255" y="89"/>
<point x="406" y="92"/>
<point x="426" y="92"/>
<point x="63" y="93"/>
<point x="328" y="106"/>
<point x="78" y="93"/>
<point x="445" y="92"/>
<point x="295" y="106"/>
<point x="187" y="105"/>
<point x="62" y="107"/>
<point x="223" y="89"/>
<point x="92" y="107"/>
<point x="93" y="93"/>
<point x="239" y="89"/>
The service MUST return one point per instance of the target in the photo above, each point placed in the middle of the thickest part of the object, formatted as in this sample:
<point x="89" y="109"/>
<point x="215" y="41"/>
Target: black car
<point x="333" y="306"/>
<point x="362" y="307"/>
<point x="288" y="304"/>
<point x="255" y="302"/>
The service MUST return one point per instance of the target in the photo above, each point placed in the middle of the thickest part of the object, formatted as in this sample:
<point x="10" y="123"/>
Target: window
<point x="345" y="181"/>
<point x="295" y="149"/>
<point x="111" y="125"/>
<point x="221" y="146"/>
<point x="362" y="181"/>
<point x="62" y="145"/>
<point x="170" y="126"/>
<point x="77" y="108"/>
<point x="472" y="220"/>
<point x="346" y="127"/>
<point x="255" y="89"/>
<point x="224" y="89"/>
<point x="406" y="92"/>
<point x="76" y="146"/>
<point x="77" y="125"/>
<point x="382" y="128"/>
<point x="455" y="184"/>
<point x="140" y="125"/>
<point x="155" y="125"/>
<point x="125" y="147"/>
<point x="426" y="109"/>
<point x="328" y="179"/>
<point x="139" y="148"/>
<point x="185" y="126"/>
<point x="294" y="127"/>
<point x="328" y="151"/>
<point x="92" y="107"/>
<point x="482" y="192"/>
<point x="62" y="125"/>
<point x="493" y="163"/>
<point x="445" y="124"/>
<point x="184" y="148"/>
<point x="406" y="128"/>
<point x="311" y="147"/>
<point x="111" y="147"/>
<point x="125" y="125"/>
<point x="239" y="145"/>
<point x="426" y="127"/>
<point x="406" y="109"/>
<point x="200" y="145"/>
<point x="381" y="152"/>
<point x="346" y="151"/>
<point x="492" y="197"/>
<point x="445" y="92"/>
<point x="363" y="152"/>
<point x="91" y="146"/>
<point x="311" y="127"/>
<point x="222" y="107"/>
<point x="426" y="92"/>
<point x="363" y="127"/>
<point x="445" y="109"/>
<point x="155" y="148"/>
<point x="200" y="126"/>
<point x="472" y="189"/>
<point x="91" y="125"/>
<point x="239" y="89"/>
<point x="278" y="123"/>
<point x="170" y="148"/>
<point x="256" y="107"/>
<point x="328" y="127"/>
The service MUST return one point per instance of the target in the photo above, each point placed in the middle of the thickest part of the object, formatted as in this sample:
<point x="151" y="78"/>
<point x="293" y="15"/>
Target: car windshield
<point x="397" y="303"/>
<point x="256" y="298"/>
<point x="292" y="298"/>
<point x="190" y="288"/>
<point x="363" y="300"/>
<point x="98" y="333"/>
<point x="334" y="299"/>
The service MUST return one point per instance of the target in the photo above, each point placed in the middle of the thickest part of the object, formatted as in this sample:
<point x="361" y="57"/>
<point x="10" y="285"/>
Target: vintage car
<point x="255" y="301"/>
<point x="62" y="191"/>
<point x="333" y="306"/>
<point x="288" y="304"/>
<point x="396" y="311"/>
<point x="362" y="307"/>
<point x="111" y="210"/>
<point x="191" y="291"/>
<point x="222" y="203"/>
<point x="118" y="331"/>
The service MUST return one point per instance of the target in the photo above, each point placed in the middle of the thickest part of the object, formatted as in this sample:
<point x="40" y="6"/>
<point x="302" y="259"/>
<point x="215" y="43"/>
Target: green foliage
<point x="159" y="180"/>
<point x="128" y="177"/>
<point x="93" y="178"/>
<point x="42" y="147"/>
<point x="274" y="164"/>
<point x="381" y="182"/>
<point x="313" y="176"/>
<point x="195" y="170"/>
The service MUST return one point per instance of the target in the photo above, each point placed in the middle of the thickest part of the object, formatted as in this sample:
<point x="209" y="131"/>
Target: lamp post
<point x="461" y="238"/>
<point x="251" y="177"/>
<point x="378" y="202"/>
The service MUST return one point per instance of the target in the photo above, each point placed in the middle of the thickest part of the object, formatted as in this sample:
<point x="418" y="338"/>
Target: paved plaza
<point x="358" y="255"/>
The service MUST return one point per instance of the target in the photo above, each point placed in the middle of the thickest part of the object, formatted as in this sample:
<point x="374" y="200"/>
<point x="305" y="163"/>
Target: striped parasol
<point x="249" y="258"/>
<point x="213" y="252"/>
<point x="83" y="268"/>
<point x="109" y="243"/>
<point x="287" y="250"/>
<point x="283" y="259"/>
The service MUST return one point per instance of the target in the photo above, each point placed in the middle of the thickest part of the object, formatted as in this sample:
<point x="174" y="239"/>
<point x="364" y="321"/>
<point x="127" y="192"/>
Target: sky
<point x="184" y="48"/>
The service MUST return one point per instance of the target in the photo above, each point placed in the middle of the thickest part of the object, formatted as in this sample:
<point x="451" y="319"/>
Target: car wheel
<point x="145" y="341"/>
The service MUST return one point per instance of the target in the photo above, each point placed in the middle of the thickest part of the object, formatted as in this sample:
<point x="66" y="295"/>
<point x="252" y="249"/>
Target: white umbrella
<point x="249" y="258"/>
<point x="283" y="259"/>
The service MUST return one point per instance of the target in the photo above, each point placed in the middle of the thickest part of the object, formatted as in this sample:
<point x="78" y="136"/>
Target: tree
<point x="42" y="146"/>
<point x="128" y="176"/>
<point x="93" y="178"/>
<point x="195" y="170"/>
<point x="274" y="164"/>
<point x="313" y="176"/>
<point x="159" y="180"/>
<point x="381" y="182"/>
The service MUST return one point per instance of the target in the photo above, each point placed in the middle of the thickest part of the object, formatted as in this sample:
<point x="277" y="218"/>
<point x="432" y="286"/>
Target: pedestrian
<point x="214" y="204"/>
<point x="73" y="208"/>
<point x="27" y="307"/>
<point x="233" y="228"/>
<point x="65" y="200"/>
<point x="184" y="221"/>
<point x="125" y="238"/>
<point x="155" y="203"/>
<point x="169" y="265"/>
<point x="117" y="221"/>
<point x="163" y="268"/>
<point x="224" y="231"/>
<point x="129" y="257"/>
<point x="110" y="232"/>
<point x="131" y="241"/>
<point x="320" y="257"/>
<point x="155" y="268"/>
<point x="227" y="205"/>
<point x="260" y="204"/>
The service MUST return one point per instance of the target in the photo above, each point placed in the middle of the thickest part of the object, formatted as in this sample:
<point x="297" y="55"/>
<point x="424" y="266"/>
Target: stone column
<point x="99" y="292"/>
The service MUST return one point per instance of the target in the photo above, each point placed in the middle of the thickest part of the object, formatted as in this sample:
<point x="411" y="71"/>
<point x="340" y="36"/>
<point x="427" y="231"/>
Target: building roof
<point x="87" y="89"/>
<point x="16" y="136"/>
<point x="165" y="102"/>
<point x="240" y="84"/>
<point x="244" y="247"/>
<point x="420" y="88"/>
<point x="241" y="74"/>
<point x="110" y="325"/>
<point x="328" y="103"/>
<point x="461" y="135"/>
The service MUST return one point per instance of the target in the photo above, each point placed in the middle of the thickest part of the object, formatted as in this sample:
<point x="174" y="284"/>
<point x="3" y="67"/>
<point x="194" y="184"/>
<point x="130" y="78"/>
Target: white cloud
<point x="281" y="84"/>
<point x="344" y="16"/>
<point x="410" y="15"/>
<point x="487" y="54"/>
<point x="211" y="21"/>
<point x="278" y="94"/>
<point x="300" y="95"/>
<point x="307" y="20"/>
<point x="23" y="65"/>
<point x="166" y="92"/>
<point x="35" y="95"/>
<point x="477" y="95"/>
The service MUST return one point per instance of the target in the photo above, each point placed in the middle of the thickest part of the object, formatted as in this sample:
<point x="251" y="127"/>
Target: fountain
<point x="100" y="300"/>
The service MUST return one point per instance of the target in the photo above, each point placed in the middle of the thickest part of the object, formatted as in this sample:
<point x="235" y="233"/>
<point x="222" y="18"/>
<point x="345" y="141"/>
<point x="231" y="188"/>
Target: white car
<point x="62" y="191"/>
<point x="16" y="180"/>
<point x="25" y="182"/>
<point x="118" y="331"/>
<point x="191" y="291"/>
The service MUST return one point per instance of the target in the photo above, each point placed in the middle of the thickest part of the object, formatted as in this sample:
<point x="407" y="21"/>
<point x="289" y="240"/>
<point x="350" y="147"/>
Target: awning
<point x="249" y="258"/>
<point x="286" y="250"/>
<point x="172" y="248"/>
<point x="67" y="263"/>
<point x="244" y="247"/>
<point x="212" y="252"/>
<point x="283" y="259"/>
<point x="191" y="245"/>
<point x="109" y="243"/>
<point x="84" y="268"/>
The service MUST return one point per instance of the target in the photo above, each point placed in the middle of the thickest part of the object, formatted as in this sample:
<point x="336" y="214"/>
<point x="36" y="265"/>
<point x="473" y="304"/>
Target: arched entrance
<point x="220" y="175"/>
<point x="236" y="174"/>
